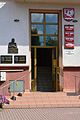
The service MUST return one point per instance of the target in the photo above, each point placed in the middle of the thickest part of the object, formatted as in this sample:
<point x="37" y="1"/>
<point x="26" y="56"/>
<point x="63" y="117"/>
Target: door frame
<point x="55" y="66"/>
<point x="59" y="68"/>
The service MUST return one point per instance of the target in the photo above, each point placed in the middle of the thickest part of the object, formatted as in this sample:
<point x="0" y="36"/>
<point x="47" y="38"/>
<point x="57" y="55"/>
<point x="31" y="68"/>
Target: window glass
<point x="36" y="17"/>
<point x="44" y="29"/>
<point x="37" y="40"/>
<point x="51" y="41"/>
<point x="37" y="29"/>
<point x="52" y="18"/>
<point x="52" y="29"/>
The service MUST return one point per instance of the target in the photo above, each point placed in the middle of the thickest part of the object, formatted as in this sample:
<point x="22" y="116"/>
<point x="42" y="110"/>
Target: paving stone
<point x="40" y="114"/>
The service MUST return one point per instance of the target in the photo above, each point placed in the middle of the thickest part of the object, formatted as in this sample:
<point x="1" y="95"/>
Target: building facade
<point x="39" y="46"/>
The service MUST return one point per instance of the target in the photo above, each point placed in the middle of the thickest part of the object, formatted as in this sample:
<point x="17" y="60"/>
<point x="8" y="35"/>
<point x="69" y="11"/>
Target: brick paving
<point x="40" y="114"/>
<point x="44" y="100"/>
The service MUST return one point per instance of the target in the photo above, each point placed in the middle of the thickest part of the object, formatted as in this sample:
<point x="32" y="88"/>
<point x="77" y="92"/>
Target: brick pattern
<point x="72" y="79"/>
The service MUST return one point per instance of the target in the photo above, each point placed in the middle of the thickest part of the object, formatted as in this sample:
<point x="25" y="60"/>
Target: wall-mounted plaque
<point x="68" y="14"/>
<point x="69" y="36"/>
<point x="20" y="59"/>
<point x="69" y="28"/>
<point x="6" y="59"/>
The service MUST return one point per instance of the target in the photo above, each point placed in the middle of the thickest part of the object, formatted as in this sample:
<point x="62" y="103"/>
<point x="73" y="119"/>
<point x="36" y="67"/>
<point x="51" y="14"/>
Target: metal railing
<point x="77" y="83"/>
<point x="6" y="87"/>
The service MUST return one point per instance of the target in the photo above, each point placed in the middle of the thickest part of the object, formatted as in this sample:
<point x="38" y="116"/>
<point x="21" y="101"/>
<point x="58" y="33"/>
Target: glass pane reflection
<point x="37" y="29"/>
<point x="37" y="41"/>
<point x="52" y="18"/>
<point x="36" y="17"/>
<point x="52" y="29"/>
<point x="51" y="41"/>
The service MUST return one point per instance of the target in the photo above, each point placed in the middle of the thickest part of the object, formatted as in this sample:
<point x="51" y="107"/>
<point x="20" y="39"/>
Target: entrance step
<point x="44" y="79"/>
<point x="44" y="99"/>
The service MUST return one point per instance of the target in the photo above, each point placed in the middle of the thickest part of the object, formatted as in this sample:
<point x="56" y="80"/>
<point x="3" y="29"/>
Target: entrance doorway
<point x="44" y="69"/>
<point x="45" y="49"/>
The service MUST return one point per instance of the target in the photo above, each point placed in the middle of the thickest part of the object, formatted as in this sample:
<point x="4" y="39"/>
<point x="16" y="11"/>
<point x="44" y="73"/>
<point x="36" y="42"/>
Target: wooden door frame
<point x="60" y="67"/>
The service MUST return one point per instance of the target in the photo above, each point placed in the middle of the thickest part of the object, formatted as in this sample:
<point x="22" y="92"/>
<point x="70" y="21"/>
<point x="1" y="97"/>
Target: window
<point x="44" y="29"/>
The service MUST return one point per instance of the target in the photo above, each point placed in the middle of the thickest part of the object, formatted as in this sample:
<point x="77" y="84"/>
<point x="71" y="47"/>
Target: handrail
<point x="75" y="82"/>
<point x="12" y="82"/>
<point x="76" y="76"/>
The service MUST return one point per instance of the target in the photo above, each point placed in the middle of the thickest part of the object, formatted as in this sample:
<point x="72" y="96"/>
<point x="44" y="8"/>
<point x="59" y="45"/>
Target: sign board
<point x="68" y="14"/>
<point x="20" y="59"/>
<point x="2" y="76"/>
<point x="5" y="59"/>
<point x="69" y="36"/>
<point x="16" y="85"/>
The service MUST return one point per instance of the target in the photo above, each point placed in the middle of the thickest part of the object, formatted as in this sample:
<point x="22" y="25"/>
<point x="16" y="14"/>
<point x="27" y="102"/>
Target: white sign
<point x="2" y="76"/>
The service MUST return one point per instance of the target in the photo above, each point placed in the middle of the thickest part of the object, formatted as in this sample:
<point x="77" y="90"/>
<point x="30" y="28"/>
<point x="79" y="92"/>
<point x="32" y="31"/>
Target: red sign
<point x="69" y="28"/>
<point x="68" y="14"/>
<point x="69" y="40"/>
<point x="69" y="36"/>
<point x="69" y="45"/>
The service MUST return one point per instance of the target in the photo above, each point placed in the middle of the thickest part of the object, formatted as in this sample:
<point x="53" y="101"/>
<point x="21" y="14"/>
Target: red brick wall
<point x="16" y="75"/>
<point x="72" y="79"/>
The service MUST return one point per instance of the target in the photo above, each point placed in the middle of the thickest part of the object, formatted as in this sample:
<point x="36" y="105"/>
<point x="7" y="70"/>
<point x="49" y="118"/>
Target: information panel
<point x="69" y="36"/>
<point x="20" y="59"/>
<point x="5" y="59"/>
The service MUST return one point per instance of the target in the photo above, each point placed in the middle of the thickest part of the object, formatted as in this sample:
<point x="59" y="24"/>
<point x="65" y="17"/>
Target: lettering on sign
<point x="20" y="59"/>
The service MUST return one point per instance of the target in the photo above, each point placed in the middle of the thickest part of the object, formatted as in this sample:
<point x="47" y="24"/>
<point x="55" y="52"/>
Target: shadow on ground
<point x="73" y="94"/>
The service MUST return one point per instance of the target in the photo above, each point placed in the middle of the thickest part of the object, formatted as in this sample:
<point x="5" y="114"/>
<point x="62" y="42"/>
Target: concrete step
<point x="44" y="99"/>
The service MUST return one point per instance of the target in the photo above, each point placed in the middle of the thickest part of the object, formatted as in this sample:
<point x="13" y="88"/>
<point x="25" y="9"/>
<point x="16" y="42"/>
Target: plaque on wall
<point x="68" y="14"/>
<point x="6" y="59"/>
<point x="20" y="59"/>
<point x="69" y="36"/>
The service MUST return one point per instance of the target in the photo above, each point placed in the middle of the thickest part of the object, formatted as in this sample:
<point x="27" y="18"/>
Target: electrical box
<point x="2" y="76"/>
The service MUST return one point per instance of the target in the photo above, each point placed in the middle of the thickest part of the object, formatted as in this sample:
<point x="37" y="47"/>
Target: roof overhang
<point x="52" y="1"/>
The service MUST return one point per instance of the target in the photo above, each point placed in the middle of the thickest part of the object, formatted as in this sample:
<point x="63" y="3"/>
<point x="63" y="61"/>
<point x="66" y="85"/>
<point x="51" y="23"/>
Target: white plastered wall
<point x="18" y="30"/>
<point x="21" y="30"/>
<point x="71" y="58"/>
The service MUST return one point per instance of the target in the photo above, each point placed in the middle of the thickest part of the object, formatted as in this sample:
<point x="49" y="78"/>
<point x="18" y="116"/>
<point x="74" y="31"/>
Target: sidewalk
<point x="44" y="99"/>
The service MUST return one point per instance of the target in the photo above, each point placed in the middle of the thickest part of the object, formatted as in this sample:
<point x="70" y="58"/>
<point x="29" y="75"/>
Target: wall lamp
<point x="74" y="21"/>
<point x="16" y="20"/>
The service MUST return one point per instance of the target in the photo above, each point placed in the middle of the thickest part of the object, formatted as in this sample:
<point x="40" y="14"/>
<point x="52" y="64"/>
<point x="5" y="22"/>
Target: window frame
<point x="44" y="23"/>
